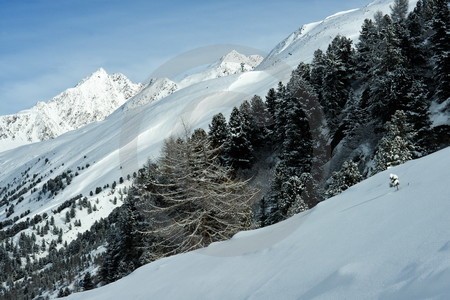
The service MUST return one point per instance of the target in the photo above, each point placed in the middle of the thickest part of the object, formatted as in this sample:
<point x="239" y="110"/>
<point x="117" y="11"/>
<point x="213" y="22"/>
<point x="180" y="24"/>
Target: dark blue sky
<point x="48" y="46"/>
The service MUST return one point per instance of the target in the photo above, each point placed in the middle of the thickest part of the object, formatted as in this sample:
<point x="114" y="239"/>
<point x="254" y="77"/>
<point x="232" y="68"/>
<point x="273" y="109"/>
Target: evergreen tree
<point x="399" y="10"/>
<point x="126" y="245"/>
<point x="317" y="73"/>
<point x="238" y="148"/>
<point x="280" y="112"/>
<point x="271" y="99"/>
<point x="343" y="179"/>
<point x="87" y="282"/>
<point x="248" y="123"/>
<point x="297" y="145"/>
<point x="440" y="45"/>
<point x="365" y="49"/>
<point x="218" y="131"/>
<point x="391" y="79"/>
<point x="338" y="73"/>
<point x="261" y="121"/>
<point x="395" y="147"/>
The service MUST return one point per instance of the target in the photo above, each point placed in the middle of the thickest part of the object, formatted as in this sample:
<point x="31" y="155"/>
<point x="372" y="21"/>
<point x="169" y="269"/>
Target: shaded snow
<point x="369" y="242"/>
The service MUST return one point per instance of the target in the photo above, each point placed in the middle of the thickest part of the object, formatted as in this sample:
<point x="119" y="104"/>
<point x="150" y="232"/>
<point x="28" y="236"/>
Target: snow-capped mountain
<point x="156" y="89"/>
<point x="231" y="63"/>
<point x="370" y="242"/>
<point x="93" y="99"/>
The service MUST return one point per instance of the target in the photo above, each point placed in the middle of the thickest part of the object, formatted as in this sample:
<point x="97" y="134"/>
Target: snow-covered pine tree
<point x="399" y="10"/>
<point x="248" y="123"/>
<point x="347" y="176"/>
<point x="365" y="49"/>
<point x="440" y="45"/>
<point x="261" y="121"/>
<point x="280" y="112"/>
<point x="317" y="73"/>
<point x="238" y="150"/>
<point x="293" y="194"/>
<point x="218" y="130"/>
<point x="338" y="73"/>
<point x="125" y="245"/>
<point x="296" y="151"/>
<point x="271" y="99"/>
<point x="396" y="146"/>
<point x="390" y="77"/>
<point x="394" y="181"/>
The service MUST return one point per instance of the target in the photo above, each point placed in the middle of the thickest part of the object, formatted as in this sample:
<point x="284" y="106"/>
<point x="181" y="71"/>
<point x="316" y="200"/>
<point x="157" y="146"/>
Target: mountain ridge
<point x="92" y="99"/>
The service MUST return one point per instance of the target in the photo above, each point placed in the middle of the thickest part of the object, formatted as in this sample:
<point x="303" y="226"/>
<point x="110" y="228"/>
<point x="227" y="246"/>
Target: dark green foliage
<point x="261" y="121"/>
<point x="396" y="146"/>
<point x="238" y="147"/>
<point x="218" y="131"/>
<point x="87" y="282"/>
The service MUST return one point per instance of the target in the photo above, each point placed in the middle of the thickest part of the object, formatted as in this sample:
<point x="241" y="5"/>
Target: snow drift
<point x="369" y="242"/>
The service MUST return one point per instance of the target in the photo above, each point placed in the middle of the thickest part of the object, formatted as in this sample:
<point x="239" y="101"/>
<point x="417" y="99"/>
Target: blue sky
<point x="48" y="46"/>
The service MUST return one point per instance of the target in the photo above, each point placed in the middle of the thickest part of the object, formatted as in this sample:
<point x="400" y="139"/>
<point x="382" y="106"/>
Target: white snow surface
<point x="370" y="242"/>
<point x="301" y="44"/>
<point x="232" y="63"/>
<point x="93" y="99"/>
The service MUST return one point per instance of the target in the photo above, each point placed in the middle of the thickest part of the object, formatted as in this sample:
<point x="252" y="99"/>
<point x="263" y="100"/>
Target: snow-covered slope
<point x="301" y="44"/>
<point x="232" y="63"/>
<point x="157" y="88"/>
<point x="370" y="242"/>
<point x="93" y="99"/>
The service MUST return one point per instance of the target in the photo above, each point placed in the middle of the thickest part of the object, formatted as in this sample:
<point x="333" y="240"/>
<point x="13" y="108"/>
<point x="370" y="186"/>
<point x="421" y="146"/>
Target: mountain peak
<point x="229" y="64"/>
<point x="92" y="99"/>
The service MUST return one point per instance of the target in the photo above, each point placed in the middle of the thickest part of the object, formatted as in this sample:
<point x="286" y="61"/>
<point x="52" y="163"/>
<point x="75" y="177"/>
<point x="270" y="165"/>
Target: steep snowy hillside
<point x="301" y="44"/>
<point x="157" y="88"/>
<point x="93" y="99"/>
<point x="370" y="242"/>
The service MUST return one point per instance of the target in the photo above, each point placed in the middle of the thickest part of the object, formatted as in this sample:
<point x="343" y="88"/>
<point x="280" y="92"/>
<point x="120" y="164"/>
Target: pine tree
<point x="87" y="282"/>
<point x="287" y="196"/>
<point x="271" y="99"/>
<point x="297" y="145"/>
<point x="126" y="245"/>
<point x="317" y="73"/>
<point x="347" y="176"/>
<point x="440" y="45"/>
<point x="261" y="121"/>
<point x="280" y="113"/>
<point x="390" y="77"/>
<point x="338" y="73"/>
<point x="218" y="130"/>
<point x="399" y="10"/>
<point x="395" y="147"/>
<point x="365" y="49"/>
<point x="238" y="148"/>
<point x="248" y="123"/>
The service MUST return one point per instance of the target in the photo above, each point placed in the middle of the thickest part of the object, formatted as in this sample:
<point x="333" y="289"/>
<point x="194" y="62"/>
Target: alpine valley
<point x="335" y="104"/>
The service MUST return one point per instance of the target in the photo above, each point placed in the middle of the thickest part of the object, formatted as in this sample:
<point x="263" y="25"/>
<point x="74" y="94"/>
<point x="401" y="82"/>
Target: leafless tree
<point x="192" y="200"/>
